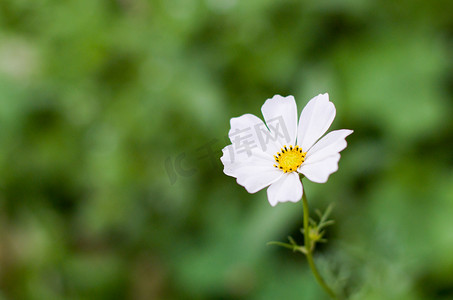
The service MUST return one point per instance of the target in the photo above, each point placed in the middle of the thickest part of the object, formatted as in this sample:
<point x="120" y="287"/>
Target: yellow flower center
<point x="289" y="158"/>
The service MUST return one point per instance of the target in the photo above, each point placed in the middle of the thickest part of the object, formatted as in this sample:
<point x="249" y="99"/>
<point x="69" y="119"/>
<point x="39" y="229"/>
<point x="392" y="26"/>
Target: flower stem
<point x="309" y="250"/>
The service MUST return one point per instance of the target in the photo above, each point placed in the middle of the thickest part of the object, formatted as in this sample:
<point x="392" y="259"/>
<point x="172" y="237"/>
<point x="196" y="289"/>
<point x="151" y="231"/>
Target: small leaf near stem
<point x="293" y="245"/>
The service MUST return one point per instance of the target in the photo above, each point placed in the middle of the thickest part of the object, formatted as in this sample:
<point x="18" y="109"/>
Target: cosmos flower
<point x="274" y="154"/>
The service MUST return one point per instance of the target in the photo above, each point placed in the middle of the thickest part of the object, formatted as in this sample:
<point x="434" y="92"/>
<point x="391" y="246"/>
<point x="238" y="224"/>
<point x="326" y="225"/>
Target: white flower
<point x="274" y="154"/>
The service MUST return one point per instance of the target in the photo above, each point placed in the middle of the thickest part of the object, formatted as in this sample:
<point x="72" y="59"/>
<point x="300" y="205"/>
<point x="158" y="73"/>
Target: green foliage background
<point x="101" y="100"/>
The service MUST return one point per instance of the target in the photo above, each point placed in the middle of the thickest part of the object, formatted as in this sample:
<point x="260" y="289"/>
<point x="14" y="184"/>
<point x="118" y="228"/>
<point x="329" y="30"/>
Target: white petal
<point x="331" y="144"/>
<point x="320" y="171"/>
<point x="322" y="159"/>
<point x="287" y="188"/>
<point x="230" y="161"/>
<point x="316" y="118"/>
<point x="254" y="173"/>
<point x="280" y="114"/>
<point x="256" y="178"/>
<point x="247" y="133"/>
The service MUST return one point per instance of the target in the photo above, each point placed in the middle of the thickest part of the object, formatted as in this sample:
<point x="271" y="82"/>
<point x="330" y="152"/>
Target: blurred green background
<point x="113" y="115"/>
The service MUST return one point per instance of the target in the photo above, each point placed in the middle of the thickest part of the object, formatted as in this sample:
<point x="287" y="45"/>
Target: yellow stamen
<point x="289" y="160"/>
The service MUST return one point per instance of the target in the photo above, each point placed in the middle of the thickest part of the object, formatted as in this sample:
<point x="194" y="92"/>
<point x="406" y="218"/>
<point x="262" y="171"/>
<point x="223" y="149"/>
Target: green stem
<point x="309" y="249"/>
